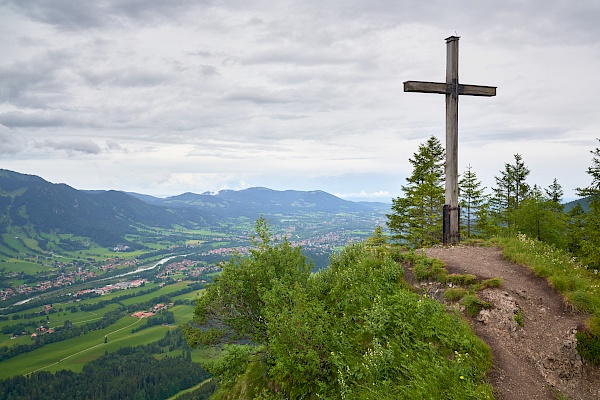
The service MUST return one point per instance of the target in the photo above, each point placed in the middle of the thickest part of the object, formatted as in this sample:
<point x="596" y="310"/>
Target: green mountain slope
<point x="38" y="206"/>
<point x="33" y="207"/>
<point x="584" y="202"/>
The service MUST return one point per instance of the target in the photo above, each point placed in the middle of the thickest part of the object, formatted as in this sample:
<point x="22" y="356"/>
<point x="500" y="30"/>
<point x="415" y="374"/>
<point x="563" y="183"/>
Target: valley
<point x="69" y="295"/>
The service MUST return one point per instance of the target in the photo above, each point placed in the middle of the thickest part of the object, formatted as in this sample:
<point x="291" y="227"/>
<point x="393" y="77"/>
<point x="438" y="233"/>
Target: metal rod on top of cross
<point x="452" y="89"/>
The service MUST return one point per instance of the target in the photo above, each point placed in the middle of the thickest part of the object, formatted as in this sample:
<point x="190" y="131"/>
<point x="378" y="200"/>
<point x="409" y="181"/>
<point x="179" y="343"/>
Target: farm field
<point x="74" y="353"/>
<point x="56" y="319"/>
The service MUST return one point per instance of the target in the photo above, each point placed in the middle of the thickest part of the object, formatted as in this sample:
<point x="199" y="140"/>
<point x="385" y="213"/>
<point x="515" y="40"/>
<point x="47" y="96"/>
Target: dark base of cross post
<point x="451" y="236"/>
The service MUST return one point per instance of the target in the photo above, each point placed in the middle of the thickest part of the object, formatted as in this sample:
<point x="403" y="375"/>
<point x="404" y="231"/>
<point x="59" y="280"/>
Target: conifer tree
<point x="555" y="192"/>
<point x="416" y="218"/>
<point x="510" y="190"/>
<point x="519" y="173"/>
<point x="472" y="198"/>
<point x="593" y="190"/>
<point x="575" y="229"/>
<point x="540" y="217"/>
<point x="590" y="243"/>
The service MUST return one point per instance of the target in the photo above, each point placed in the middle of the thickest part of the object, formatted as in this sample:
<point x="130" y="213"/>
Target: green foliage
<point x="377" y="242"/>
<point x="352" y="331"/>
<point x="588" y="346"/>
<point x="472" y="203"/>
<point x="541" y="218"/>
<point x="461" y="279"/>
<point x="590" y="244"/>
<point x="520" y="317"/>
<point x="490" y="283"/>
<point x="455" y="294"/>
<point x="429" y="269"/>
<point x="473" y="304"/>
<point x="575" y="230"/>
<point x="416" y="218"/>
<point x="234" y="363"/>
<point x="510" y="190"/>
<point x="129" y="373"/>
<point x="555" y="194"/>
<point x="235" y="302"/>
<point x="593" y="189"/>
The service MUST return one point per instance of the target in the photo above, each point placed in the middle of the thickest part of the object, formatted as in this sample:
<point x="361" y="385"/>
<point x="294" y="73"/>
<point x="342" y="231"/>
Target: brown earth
<point x="536" y="361"/>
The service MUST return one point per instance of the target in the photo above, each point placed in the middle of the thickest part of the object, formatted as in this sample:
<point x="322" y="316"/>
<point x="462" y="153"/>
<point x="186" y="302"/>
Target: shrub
<point x="351" y="331"/>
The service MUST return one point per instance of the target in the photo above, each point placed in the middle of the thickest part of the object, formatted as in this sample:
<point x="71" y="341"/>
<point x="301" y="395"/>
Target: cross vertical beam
<point x="451" y="233"/>
<point x="452" y="89"/>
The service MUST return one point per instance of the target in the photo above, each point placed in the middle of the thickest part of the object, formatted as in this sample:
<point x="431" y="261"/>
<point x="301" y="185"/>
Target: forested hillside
<point x="37" y="206"/>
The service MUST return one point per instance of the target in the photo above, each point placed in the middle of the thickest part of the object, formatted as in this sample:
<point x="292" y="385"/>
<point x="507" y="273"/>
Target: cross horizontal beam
<point x="449" y="88"/>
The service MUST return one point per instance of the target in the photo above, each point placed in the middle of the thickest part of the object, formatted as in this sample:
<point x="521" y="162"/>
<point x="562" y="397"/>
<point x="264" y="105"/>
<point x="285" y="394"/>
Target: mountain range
<point x="37" y="206"/>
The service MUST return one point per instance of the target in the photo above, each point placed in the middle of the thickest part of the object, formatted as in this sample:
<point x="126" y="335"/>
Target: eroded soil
<point x="535" y="361"/>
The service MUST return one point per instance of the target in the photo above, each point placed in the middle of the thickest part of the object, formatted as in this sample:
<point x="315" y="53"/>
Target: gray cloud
<point x="10" y="143"/>
<point x="257" y="95"/>
<point x="71" y="146"/>
<point x="84" y="15"/>
<point x="125" y="78"/>
<point x="18" y="119"/>
<point x="35" y="81"/>
<point x="111" y="145"/>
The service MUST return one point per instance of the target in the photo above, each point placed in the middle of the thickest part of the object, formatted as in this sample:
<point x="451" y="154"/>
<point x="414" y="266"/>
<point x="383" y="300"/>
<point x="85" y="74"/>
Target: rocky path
<point x="536" y="361"/>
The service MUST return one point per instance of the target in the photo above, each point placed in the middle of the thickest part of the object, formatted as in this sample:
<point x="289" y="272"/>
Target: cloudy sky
<point x="164" y="97"/>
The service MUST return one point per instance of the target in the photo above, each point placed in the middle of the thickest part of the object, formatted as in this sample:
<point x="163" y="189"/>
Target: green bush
<point x="352" y="331"/>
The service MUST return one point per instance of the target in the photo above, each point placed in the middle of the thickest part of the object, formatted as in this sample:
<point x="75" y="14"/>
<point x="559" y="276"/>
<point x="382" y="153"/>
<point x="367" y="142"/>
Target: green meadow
<point x="74" y="353"/>
<point x="57" y="319"/>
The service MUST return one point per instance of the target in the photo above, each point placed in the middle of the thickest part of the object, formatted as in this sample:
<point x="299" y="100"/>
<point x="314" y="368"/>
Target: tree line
<point x="128" y="373"/>
<point x="513" y="205"/>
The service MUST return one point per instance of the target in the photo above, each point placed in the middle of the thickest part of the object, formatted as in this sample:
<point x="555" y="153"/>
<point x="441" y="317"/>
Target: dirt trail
<point x="538" y="359"/>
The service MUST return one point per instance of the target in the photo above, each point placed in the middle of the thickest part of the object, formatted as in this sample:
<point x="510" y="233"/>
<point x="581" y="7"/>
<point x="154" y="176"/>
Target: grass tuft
<point x="473" y="304"/>
<point x="429" y="269"/>
<point x="461" y="279"/>
<point x="455" y="294"/>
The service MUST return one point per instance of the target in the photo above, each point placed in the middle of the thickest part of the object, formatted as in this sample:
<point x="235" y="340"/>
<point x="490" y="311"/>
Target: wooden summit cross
<point x="452" y="89"/>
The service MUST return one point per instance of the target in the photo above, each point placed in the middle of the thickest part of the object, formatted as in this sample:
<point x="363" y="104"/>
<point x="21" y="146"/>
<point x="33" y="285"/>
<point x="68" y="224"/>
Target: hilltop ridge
<point x="31" y="205"/>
